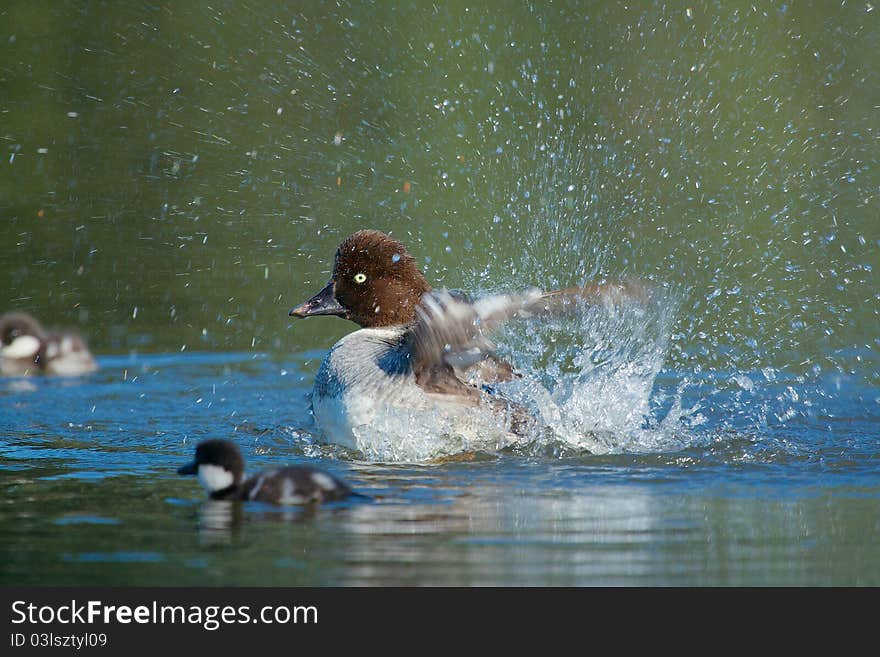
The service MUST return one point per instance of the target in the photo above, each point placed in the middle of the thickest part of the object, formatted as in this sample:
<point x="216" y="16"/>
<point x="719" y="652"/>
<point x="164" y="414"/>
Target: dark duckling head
<point x="218" y="465"/>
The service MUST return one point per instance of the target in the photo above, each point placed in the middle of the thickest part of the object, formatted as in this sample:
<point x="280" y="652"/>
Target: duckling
<point x="21" y="338"/>
<point x="26" y="348"/>
<point x="220" y="468"/>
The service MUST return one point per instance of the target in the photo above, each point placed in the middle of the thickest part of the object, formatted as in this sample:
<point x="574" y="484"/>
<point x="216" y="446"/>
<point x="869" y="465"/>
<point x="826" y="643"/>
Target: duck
<point x="21" y="339"/>
<point x="26" y="349"/>
<point x="419" y="379"/>
<point x="219" y="466"/>
<point x="66" y="354"/>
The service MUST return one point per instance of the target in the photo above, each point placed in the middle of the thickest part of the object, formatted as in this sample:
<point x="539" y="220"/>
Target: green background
<point x="178" y="175"/>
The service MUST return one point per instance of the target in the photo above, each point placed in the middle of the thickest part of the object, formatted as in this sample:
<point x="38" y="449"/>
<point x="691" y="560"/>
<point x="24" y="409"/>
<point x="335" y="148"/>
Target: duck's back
<point x="294" y="485"/>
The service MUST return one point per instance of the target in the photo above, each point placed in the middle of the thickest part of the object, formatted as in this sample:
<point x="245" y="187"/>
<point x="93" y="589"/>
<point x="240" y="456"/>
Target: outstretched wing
<point x="457" y="333"/>
<point x="453" y="335"/>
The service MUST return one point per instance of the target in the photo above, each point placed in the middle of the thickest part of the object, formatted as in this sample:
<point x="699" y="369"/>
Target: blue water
<point x="761" y="489"/>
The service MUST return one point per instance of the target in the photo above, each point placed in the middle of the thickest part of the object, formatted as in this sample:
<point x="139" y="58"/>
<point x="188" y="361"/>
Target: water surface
<point x="90" y="496"/>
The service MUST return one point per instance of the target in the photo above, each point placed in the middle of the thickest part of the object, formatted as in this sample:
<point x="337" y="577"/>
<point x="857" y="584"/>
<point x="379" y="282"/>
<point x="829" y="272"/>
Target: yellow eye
<point x="360" y="278"/>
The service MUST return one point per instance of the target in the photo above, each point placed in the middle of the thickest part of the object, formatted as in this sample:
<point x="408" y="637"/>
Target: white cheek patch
<point x="67" y="345"/>
<point x="24" y="346"/>
<point x="323" y="481"/>
<point x="214" y="477"/>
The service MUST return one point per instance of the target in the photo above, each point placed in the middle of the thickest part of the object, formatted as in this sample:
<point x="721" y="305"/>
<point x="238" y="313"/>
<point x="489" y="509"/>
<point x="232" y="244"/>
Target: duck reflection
<point x="219" y="522"/>
<point x="475" y="532"/>
<point x="222" y="522"/>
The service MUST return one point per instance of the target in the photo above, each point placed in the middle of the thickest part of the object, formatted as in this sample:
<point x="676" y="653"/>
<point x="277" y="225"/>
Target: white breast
<point x="366" y="398"/>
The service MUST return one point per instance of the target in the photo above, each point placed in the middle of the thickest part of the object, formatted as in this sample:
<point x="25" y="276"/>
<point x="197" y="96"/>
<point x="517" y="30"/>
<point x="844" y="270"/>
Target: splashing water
<point x="590" y="376"/>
